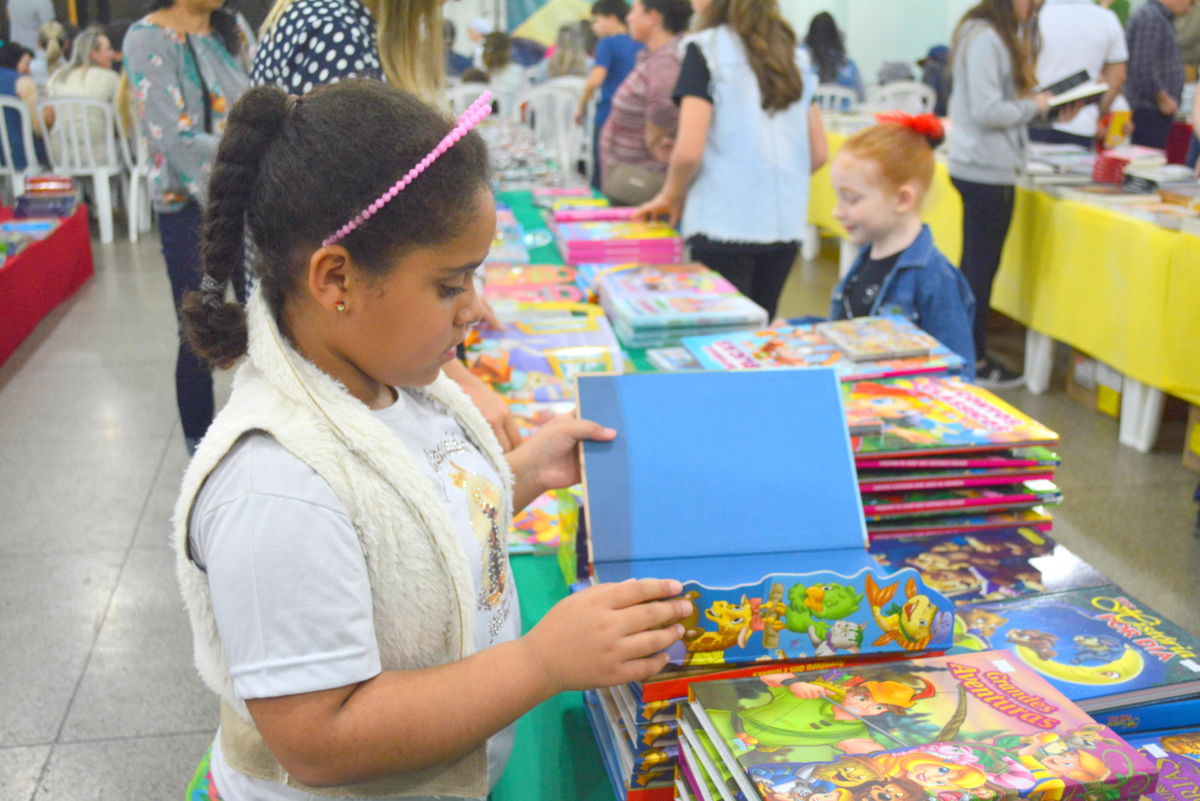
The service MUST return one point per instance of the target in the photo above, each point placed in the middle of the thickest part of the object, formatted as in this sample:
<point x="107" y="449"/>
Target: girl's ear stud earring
<point x="340" y="306"/>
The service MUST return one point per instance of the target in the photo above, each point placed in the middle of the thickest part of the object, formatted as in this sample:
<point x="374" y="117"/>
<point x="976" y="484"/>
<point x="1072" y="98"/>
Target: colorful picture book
<point x="932" y="415"/>
<point x="891" y="528"/>
<point x="546" y="522"/>
<point x="618" y="241"/>
<point x="662" y="500"/>
<point x="885" y="505"/>
<point x="1016" y="458"/>
<point x="877" y="338"/>
<point x="583" y="214"/>
<point x="893" y="481"/>
<point x="1098" y="646"/>
<point x="989" y="565"/>
<point x="971" y="726"/>
<point x="1176" y="753"/>
<point x="530" y="283"/>
<point x="536" y="358"/>
<point x="807" y="346"/>
<point x="691" y="296"/>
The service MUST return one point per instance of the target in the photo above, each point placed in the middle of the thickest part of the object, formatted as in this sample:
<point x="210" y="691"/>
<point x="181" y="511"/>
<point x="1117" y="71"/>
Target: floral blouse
<point x="167" y="87"/>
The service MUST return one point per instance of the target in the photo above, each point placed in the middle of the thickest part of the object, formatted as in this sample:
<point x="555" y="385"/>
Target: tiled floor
<point x="98" y="698"/>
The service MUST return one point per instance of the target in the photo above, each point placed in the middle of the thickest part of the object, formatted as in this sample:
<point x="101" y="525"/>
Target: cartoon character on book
<point x="788" y="781"/>
<point x="817" y="721"/>
<point x="735" y="624"/>
<point x="912" y="624"/>
<point x="1184" y="743"/>
<point x="845" y="635"/>
<point x="1052" y="759"/>
<point x="814" y="608"/>
<point x="1094" y="646"/>
<point x="1126" y="666"/>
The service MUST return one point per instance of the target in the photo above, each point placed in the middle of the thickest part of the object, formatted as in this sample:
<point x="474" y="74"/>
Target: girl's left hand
<point x="549" y="458"/>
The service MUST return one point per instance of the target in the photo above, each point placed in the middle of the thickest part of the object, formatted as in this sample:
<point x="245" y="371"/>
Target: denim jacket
<point x="927" y="289"/>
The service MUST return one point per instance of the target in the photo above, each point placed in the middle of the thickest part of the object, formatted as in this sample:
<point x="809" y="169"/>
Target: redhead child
<point x="881" y="175"/>
<point x="340" y="532"/>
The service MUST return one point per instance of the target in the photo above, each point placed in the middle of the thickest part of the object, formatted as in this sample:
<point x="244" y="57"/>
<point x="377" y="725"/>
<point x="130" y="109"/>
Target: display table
<point x="41" y="276"/>
<point x="1121" y="290"/>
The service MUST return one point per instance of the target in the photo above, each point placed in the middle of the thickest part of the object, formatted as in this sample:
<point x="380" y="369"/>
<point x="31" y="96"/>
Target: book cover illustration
<point x="606" y="231"/>
<point x="672" y="359"/>
<point x="545" y="523"/>
<point x="989" y="566"/>
<point x="939" y="414"/>
<point x="803" y="346"/>
<point x="976" y="726"/>
<point x="875" y="338"/>
<point x="1034" y="456"/>
<point x="817" y="614"/>
<point x="1099" y="647"/>
<point x="537" y="358"/>
<point x="530" y="283"/>
<point x="879" y="506"/>
<point x="944" y="525"/>
<point x="1151" y="717"/>
<point x="1177" y="756"/>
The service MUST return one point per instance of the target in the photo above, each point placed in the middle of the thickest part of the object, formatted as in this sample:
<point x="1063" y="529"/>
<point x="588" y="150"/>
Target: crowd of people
<point x="341" y="530"/>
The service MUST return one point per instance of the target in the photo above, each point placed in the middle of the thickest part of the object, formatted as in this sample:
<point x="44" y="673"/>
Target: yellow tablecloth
<point x="1122" y="290"/>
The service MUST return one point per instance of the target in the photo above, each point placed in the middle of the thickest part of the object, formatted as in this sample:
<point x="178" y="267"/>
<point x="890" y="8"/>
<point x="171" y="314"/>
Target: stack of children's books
<point x="654" y="305"/>
<point x="618" y="241"/>
<point x="937" y="455"/>
<point x="1108" y="652"/>
<point x="856" y="349"/>
<point x="691" y="489"/>
<point x="966" y="727"/>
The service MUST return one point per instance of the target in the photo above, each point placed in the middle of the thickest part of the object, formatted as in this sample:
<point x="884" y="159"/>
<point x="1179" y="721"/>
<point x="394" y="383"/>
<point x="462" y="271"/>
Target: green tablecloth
<point x="554" y="757"/>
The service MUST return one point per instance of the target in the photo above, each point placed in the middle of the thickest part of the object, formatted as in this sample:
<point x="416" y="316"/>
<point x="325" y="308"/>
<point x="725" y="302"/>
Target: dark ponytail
<point x="215" y="329"/>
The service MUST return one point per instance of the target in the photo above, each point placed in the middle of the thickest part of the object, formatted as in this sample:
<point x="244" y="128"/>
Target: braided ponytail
<point x="216" y="329"/>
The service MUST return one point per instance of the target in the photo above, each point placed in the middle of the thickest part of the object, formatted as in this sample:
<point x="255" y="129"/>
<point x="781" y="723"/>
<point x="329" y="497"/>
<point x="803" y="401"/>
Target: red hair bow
<point x="927" y="125"/>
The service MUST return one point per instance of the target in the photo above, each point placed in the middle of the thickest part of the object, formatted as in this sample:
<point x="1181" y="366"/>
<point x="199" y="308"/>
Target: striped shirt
<point x="644" y="97"/>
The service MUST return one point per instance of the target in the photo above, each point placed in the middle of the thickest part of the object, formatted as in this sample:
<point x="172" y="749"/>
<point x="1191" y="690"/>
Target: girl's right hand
<point x="608" y="634"/>
<point x="1043" y="101"/>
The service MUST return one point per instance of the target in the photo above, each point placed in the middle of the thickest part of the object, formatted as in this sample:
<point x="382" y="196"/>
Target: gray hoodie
<point x="987" y="119"/>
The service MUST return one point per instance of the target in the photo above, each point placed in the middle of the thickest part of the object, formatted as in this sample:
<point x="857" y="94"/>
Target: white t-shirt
<point x="289" y="580"/>
<point x="1078" y="35"/>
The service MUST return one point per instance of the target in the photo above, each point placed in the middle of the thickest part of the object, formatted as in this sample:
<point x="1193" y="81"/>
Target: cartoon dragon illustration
<point x="911" y="624"/>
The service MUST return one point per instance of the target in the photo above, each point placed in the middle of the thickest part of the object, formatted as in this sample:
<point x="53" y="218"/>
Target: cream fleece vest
<point x="420" y="580"/>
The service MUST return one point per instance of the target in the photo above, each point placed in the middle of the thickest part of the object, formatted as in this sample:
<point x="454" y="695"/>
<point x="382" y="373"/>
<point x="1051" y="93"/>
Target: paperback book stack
<point x="938" y="455"/>
<point x="860" y="348"/>
<point x="654" y="305"/>
<point x="972" y="726"/>
<point x="668" y="498"/>
<point x="614" y="241"/>
<point x="1118" y="659"/>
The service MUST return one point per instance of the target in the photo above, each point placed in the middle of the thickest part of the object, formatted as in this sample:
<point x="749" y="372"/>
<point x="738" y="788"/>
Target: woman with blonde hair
<point x="51" y="50"/>
<point x="88" y="73"/>
<point x="747" y="129"/>
<point x="569" y="56"/>
<point x="309" y="43"/>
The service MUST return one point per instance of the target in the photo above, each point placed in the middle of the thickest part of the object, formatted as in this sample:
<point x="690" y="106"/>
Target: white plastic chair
<point x="835" y="98"/>
<point x="73" y="152"/>
<point x="138" y="208"/>
<point x="910" y="97"/>
<point x="462" y="96"/>
<point x="15" y="175"/>
<point x="579" y="137"/>
<point x="549" y="110"/>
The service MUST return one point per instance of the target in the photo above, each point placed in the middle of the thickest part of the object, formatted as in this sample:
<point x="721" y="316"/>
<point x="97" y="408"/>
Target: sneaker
<point x="993" y="375"/>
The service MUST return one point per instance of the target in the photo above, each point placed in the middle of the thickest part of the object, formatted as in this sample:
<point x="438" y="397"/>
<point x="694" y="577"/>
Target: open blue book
<point x="742" y="485"/>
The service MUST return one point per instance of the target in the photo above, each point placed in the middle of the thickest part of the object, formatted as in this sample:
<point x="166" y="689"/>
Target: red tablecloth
<point x="42" y="276"/>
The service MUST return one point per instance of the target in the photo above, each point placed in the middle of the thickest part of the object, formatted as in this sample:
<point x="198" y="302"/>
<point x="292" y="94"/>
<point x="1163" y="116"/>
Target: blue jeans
<point x="180" y="231"/>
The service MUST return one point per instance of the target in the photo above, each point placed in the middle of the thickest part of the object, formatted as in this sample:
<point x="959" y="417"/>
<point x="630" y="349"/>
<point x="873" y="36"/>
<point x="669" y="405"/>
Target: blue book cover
<point x="1102" y="648"/>
<point x="702" y="484"/>
<point x="1141" y="718"/>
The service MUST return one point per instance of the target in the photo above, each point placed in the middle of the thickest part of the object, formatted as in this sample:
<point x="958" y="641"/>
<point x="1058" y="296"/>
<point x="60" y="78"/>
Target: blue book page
<point x="719" y="463"/>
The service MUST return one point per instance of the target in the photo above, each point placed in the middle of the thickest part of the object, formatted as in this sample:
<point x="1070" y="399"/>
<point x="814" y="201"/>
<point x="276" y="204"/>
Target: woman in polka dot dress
<point x="308" y="43"/>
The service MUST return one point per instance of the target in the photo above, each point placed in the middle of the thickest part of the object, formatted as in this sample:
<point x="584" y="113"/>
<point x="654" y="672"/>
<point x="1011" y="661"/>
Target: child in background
<point x="616" y="54"/>
<point x="881" y="175"/>
<point x="340" y="532"/>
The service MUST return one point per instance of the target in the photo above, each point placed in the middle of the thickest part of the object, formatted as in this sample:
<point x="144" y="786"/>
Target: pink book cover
<point x="612" y="213"/>
<point x="920" y="502"/>
<point x="949" y="482"/>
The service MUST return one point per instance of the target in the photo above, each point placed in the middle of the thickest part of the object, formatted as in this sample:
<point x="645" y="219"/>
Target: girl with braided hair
<point x="340" y="532"/>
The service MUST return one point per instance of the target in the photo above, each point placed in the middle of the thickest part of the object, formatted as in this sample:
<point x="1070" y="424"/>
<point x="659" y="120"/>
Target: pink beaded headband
<point x="469" y="119"/>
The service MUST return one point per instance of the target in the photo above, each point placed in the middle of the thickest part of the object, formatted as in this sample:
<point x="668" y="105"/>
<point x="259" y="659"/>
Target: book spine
<point x="1151" y="717"/>
<point x="947" y="483"/>
<point x="912" y="507"/>
<point x="896" y="372"/>
<point x="946" y="464"/>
